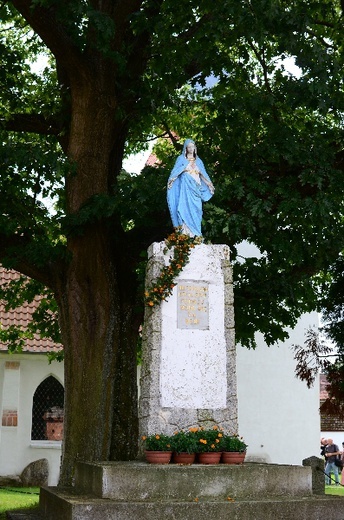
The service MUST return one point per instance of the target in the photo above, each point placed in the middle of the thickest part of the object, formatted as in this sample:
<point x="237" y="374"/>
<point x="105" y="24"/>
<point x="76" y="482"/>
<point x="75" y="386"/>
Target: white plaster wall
<point x="193" y="370"/>
<point x="278" y="415"/>
<point x="2" y="372"/>
<point x="16" y="448"/>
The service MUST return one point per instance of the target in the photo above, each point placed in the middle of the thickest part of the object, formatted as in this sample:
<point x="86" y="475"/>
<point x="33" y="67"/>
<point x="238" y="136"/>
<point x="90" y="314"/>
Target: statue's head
<point x="189" y="147"/>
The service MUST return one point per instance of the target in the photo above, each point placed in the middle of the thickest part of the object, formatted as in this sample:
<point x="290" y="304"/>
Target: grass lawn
<point x="11" y="499"/>
<point x="334" y="490"/>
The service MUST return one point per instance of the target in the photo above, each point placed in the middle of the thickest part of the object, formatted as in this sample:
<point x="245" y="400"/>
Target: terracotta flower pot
<point x="233" y="457"/>
<point x="209" y="457"/>
<point x="158" y="457"/>
<point x="184" y="458"/>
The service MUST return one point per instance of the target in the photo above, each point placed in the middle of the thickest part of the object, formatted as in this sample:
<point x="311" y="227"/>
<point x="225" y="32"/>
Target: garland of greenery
<point x="163" y="286"/>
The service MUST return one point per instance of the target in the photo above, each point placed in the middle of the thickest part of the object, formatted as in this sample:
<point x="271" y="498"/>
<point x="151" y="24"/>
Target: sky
<point x="135" y="163"/>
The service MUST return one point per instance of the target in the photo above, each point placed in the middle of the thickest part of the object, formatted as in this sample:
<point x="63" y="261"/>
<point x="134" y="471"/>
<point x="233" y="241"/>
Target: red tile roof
<point x="152" y="160"/>
<point x="22" y="316"/>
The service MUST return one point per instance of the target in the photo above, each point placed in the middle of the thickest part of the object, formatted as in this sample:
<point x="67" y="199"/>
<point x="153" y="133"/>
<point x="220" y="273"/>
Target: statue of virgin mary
<point x="188" y="186"/>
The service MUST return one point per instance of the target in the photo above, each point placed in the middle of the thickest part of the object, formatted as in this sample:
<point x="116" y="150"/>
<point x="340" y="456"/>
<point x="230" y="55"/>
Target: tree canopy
<point x="258" y="84"/>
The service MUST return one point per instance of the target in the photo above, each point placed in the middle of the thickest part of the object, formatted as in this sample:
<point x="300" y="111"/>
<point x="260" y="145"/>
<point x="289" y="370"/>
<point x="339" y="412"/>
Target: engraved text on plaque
<point x="193" y="306"/>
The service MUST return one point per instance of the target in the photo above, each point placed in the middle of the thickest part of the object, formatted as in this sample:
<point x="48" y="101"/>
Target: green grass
<point x="334" y="490"/>
<point x="11" y="499"/>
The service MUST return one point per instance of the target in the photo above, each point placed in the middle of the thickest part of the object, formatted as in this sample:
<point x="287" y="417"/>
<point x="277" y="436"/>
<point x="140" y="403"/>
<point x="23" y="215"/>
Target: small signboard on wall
<point x="193" y="306"/>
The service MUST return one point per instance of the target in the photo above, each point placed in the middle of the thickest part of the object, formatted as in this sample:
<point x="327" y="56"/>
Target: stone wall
<point x="188" y="374"/>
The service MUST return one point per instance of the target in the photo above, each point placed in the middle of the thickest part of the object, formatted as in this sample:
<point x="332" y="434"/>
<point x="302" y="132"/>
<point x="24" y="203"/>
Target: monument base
<point x="139" y="491"/>
<point x="188" y="372"/>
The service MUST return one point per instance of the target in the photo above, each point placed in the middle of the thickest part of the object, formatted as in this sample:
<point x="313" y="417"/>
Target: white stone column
<point x="188" y="375"/>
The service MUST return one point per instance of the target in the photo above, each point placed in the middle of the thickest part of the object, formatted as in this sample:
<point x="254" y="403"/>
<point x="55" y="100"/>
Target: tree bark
<point x="98" y="331"/>
<point x="98" y="334"/>
<point x="95" y="288"/>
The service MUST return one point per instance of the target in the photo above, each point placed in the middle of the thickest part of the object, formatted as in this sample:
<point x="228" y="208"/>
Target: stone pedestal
<point x="188" y="375"/>
<point x="141" y="491"/>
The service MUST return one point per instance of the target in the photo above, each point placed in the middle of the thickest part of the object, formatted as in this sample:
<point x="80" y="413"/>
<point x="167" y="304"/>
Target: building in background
<point x="332" y="426"/>
<point x="31" y="398"/>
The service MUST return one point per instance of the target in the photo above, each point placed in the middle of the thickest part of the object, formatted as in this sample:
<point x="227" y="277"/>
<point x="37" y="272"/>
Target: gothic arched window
<point x="47" y="410"/>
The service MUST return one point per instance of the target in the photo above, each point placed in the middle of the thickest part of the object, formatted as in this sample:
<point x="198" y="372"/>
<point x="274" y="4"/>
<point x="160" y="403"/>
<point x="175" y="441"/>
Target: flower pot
<point x="209" y="457"/>
<point x="233" y="457"/>
<point x="158" y="457"/>
<point x="184" y="458"/>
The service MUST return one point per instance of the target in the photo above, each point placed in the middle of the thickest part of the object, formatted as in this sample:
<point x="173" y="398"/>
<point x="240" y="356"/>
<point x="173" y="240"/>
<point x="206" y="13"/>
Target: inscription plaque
<point x="193" y="306"/>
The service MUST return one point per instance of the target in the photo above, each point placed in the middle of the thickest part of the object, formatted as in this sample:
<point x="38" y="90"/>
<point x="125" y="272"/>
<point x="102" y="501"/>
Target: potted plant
<point x="209" y="445"/>
<point x="233" y="449"/>
<point x="157" y="448"/>
<point x="184" y="445"/>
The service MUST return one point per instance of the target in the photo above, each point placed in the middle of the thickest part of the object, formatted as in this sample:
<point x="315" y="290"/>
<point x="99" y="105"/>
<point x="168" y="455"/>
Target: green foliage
<point x="272" y="141"/>
<point x="157" y="442"/>
<point x="208" y="439"/>
<point x="138" y="194"/>
<point x="332" y="300"/>
<point x="233" y="443"/>
<point x="269" y="138"/>
<point x="181" y="246"/>
<point x="184" y="442"/>
<point x="195" y="440"/>
<point x="325" y="352"/>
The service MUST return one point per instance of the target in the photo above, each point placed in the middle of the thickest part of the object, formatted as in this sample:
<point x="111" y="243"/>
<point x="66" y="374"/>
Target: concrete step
<point x="139" y="481"/>
<point x="25" y="514"/>
<point x="57" y="504"/>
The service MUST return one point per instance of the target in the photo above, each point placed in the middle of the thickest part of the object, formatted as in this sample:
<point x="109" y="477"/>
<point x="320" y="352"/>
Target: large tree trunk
<point x="95" y="289"/>
<point x="95" y="296"/>
<point x="100" y="360"/>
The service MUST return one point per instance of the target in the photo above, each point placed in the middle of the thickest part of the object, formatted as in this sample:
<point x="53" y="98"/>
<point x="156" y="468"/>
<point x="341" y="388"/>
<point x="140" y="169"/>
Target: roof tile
<point x="22" y="316"/>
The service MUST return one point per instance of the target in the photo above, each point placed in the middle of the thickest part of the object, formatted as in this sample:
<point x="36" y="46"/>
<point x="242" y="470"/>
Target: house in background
<point x="332" y="426"/>
<point x="278" y="414"/>
<point x="31" y="398"/>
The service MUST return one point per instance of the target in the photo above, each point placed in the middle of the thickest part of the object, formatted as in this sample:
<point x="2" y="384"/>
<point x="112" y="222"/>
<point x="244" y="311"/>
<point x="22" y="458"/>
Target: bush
<point x="209" y="440"/>
<point x="157" y="442"/>
<point x="233" y="443"/>
<point x="184" y="442"/>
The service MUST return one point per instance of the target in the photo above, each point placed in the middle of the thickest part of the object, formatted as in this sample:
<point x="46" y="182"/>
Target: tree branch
<point x="172" y="136"/>
<point x="319" y="38"/>
<point x="44" y="22"/>
<point x="35" y="123"/>
<point x="261" y="59"/>
<point x="194" y="66"/>
<point x="20" y="263"/>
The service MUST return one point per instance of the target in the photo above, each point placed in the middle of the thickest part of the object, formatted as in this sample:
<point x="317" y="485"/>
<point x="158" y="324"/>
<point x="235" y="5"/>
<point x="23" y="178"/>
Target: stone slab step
<point x="127" y="481"/>
<point x="25" y="514"/>
<point x="57" y="504"/>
